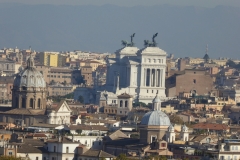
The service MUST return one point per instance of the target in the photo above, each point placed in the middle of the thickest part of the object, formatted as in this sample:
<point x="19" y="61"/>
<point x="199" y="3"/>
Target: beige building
<point x="93" y="63"/>
<point x="6" y="84"/>
<point x="9" y="67"/>
<point x="59" y="74"/>
<point x="124" y="105"/>
<point x="168" y="109"/>
<point x="86" y="72"/>
<point x="60" y="89"/>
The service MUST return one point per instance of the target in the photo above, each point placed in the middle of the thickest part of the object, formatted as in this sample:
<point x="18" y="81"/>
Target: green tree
<point x="79" y="131"/>
<point x="81" y="99"/>
<point x="121" y="157"/>
<point x="65" y="82"/>
<point x="176" y="119"/>
<point x="69" y="96"/>
<point x="137" y="104"/>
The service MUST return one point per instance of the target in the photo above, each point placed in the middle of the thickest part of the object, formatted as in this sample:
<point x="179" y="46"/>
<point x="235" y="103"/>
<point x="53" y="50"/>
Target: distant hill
<point x="183" y="31"/>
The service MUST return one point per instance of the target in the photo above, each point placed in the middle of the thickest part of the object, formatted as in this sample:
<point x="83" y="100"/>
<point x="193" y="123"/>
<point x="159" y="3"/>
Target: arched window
<point x="126" y="103"/>
<point x="39" y="102"/>
<point x="121" y="103"/>
<point x="67" y="149"/>
<point x="31" y="103"/>
<point x="17" y="102"/>
<point x="23" y="103"/>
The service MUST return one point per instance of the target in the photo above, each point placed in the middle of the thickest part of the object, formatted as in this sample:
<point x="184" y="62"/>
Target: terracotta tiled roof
<point x="210" y="126"/>
<point x="124" y="95"/>
<point x="23" y="111"/>
<point x="88" y="127"/>
<point x="97" y="153"/>
<point x="117" y="135"/>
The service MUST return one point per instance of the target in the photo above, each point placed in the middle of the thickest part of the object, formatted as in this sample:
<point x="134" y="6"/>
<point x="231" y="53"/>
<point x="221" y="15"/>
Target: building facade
<point x="137" y="72"/>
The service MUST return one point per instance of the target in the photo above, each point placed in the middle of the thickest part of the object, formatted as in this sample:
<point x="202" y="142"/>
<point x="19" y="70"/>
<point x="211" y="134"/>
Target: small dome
<point x="184" y="128"/>
<point x="29" y="77"/>
<point x="155" y="118"/>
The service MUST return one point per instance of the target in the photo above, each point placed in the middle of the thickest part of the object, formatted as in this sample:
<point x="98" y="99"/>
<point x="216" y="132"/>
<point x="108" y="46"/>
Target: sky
<point x="202" y="3"/>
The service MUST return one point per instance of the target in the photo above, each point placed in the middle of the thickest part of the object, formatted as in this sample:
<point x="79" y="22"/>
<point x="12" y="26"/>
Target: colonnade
<point x="153" y="77"/>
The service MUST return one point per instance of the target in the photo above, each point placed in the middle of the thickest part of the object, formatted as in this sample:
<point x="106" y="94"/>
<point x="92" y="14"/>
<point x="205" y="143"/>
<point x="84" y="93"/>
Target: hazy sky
<point x="204" y="3"/>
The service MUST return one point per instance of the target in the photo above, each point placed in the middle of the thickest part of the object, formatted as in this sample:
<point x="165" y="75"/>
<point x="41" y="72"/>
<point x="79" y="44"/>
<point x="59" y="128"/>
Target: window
<point x="31" y="102"/>
<point x="194" y="81"/>
<point x="126" y="103"/>
<point x="67" y="149"/>
<point x="163" y="144"/>
<point x="54" y="149"/>
<point x="99" y="142"/>
<point x="92" y="143"/>
<point x="121" y="103"/>
<point x="39" y="102"/>
<point x="10" y="153"/>
<point x="153" y="138"/>
<point x="36" y="158"/>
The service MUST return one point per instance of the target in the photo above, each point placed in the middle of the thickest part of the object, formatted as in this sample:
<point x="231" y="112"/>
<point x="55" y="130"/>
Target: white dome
<point x="29" y="77"/>
<point x="155" y="118"/>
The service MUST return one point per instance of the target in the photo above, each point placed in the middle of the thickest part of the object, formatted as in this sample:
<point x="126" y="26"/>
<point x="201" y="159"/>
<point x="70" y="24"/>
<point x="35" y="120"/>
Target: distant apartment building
<point x="93" y="63"/>
<point x="60" y="89"/>
<point x="181" y="64"/>
<point x="6" y="84"/>
<point x="9" y="67"/>
<point x="59" y="74"/>
<point x="86" y="72"/>
<point x="49" y="58"/>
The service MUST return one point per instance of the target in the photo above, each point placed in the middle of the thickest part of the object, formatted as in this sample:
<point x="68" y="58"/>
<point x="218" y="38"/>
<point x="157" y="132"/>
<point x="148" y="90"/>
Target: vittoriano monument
<point x="127" y="44"/>
<point x="147" y="43"/>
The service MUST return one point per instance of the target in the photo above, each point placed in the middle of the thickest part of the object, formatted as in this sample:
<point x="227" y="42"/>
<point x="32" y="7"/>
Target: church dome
<point x="155" y="118"/>
<point x="29" y="77"/>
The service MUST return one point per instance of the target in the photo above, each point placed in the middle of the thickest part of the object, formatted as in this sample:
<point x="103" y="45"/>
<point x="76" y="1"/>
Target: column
<point x="163" y="74"/>
<point x="150" y="78"/>
<point x="155" y="72"/>
<point x="144" y="77"/>
<point x="161" y="77"/>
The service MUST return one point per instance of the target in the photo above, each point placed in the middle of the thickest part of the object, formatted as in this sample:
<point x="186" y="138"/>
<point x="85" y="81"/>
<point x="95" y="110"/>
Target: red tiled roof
<point x="211" y="126"/>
